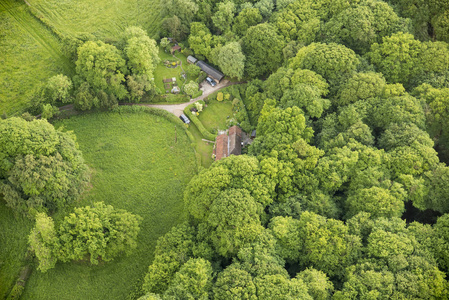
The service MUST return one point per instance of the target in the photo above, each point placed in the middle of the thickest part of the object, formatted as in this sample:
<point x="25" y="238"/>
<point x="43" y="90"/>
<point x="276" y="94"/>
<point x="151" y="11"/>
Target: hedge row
<point x="205" y="133"/>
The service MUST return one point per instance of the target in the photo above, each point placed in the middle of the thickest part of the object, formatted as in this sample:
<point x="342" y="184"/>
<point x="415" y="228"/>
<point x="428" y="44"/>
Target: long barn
<point x="210" y="71"/>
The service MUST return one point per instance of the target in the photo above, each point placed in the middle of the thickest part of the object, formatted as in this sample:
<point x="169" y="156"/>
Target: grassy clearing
<point x="203" y="148"/>
<point x="136" y="166"/>
<point x="105" y="20"/>
<point x="13" y="246"/>
<point x="29" y="54"/>
<point x="216" y="113"/>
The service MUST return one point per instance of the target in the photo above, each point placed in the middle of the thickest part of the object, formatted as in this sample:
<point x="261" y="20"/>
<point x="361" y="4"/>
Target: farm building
<point x="227" y="144"/>
<point x="191" y="59"/>
<point x="210" y="71"/>
<point x="175" y="48"/>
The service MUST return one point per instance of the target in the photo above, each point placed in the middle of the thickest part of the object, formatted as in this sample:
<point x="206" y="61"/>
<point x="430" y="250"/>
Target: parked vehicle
<point x="211" y="81"/>
<point x="184" y="118"/>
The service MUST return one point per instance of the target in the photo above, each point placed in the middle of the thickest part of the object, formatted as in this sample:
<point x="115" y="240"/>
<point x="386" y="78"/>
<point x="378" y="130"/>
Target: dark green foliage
<point x="263" y="49"/>
<point x="192" y="281"/>
<point x="246" y="18"/>
<point x="234" y="284"/>
<point x="316" y="241"/>
<point x="440" y="241"/>
<point x="172" y="251"/>
<point x="334" y="62"/>
<point x="318" y="284"/>
<point x="41" y="168"/>
<point x="358" y="27"/>
<point x="103" y="67"/>
<point x="97" y="232"/>
<point x="396" y="57"/>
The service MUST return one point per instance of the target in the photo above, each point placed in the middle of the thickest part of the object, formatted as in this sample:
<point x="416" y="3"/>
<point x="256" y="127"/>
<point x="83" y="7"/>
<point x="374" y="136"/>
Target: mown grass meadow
<point x="29" y="55"/>
<point x="105" y="20"/>
<point x="136" y="165"/>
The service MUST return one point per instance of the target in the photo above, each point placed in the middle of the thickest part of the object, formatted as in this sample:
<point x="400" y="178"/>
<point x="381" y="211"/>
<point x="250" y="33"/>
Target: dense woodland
<point x="342" y="195"/>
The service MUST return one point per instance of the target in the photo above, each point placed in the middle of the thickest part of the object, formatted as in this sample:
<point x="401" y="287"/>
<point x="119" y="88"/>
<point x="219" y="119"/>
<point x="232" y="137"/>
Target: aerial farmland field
<point x="29" y="54"/>
<point x="103" y="19"/>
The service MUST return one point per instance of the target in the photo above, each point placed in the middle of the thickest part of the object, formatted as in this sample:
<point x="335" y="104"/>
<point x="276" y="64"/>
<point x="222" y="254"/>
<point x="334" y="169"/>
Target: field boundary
<point x="66" y="64"/>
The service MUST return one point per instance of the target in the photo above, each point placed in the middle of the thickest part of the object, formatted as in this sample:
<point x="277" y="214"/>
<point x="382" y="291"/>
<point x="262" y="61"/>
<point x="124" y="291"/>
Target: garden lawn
<point x="136" y="166"/>
<point x="105" y="20"/>
<point x="216" y="113"/>
<point x="202" y="147"/>
<point x="163" y="72"/>
<point x="29" y="55"/>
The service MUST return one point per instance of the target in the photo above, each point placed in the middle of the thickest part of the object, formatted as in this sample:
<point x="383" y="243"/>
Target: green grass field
<point x="29" y="54"/>
<point x="214" y="116"/>
<point x="105" y="20"/>
<point x="13" y="246"/>
<point x="203" y="148"/>
<point x="136" y="166"/>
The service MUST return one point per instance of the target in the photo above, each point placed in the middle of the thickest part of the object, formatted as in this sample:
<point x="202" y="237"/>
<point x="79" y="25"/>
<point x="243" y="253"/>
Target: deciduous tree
<point x="263" y="49"/>
<point x="103" y="67"/>
<point x="231" y="60"/>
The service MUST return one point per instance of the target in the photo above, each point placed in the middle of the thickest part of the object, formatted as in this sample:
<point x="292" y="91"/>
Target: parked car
<point x="211" y="81"/>
<point x="184" y="118"/>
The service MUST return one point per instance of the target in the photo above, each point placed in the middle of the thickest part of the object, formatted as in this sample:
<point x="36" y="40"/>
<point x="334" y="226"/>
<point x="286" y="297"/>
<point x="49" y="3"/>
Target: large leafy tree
<point x="233" y="221"/>
<point x="172" y="251"/>
<point x="234" y="284"/>
<point x="397" y="57"/>
<point x="40" y="168"/>
<point x="361" y="86"/>
<point x="103" y="67"/>
<point x="224" y="16"/>
<point x="316" y="241"/>
<point x="231" y="60"/>
<point x="248" y="17"/>
<point x="200" y="39"/>
<point x="192" y="281"/>
<point x="238" y="172"/>
<point x="334" y="62"/>
<point x="98" y="232"/>
<point x="360" y="26"/>
<point x="263" y="49"/>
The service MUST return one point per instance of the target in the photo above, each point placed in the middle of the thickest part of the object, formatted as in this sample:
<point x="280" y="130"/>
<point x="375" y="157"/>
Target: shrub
<point x="227" y="96"/>
<point x="199" y="106"/>
<point x="220" y="96"/>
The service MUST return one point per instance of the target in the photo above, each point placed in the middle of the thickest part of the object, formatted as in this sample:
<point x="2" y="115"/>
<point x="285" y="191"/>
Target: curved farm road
<point x="177" y="109"/>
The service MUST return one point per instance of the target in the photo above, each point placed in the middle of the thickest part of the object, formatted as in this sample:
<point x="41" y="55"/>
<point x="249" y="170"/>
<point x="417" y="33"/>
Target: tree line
<point x="349" y="101"/>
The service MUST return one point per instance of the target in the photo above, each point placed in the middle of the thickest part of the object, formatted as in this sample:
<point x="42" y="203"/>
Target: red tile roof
<point x="226" y="145"/>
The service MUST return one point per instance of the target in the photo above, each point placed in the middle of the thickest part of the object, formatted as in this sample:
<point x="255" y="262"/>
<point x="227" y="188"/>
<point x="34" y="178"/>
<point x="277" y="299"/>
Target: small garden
<point x="170" y="77"/>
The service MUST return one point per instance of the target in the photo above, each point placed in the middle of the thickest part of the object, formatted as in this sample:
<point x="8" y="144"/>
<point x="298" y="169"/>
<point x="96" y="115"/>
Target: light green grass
<point x="105" y="20"/>
<point x="13" y="246"/>
<point x="202" y="147"/>
<point x="214" y="116"/>
<point x="29" y="54"/>
<point x="136" y="166"/>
